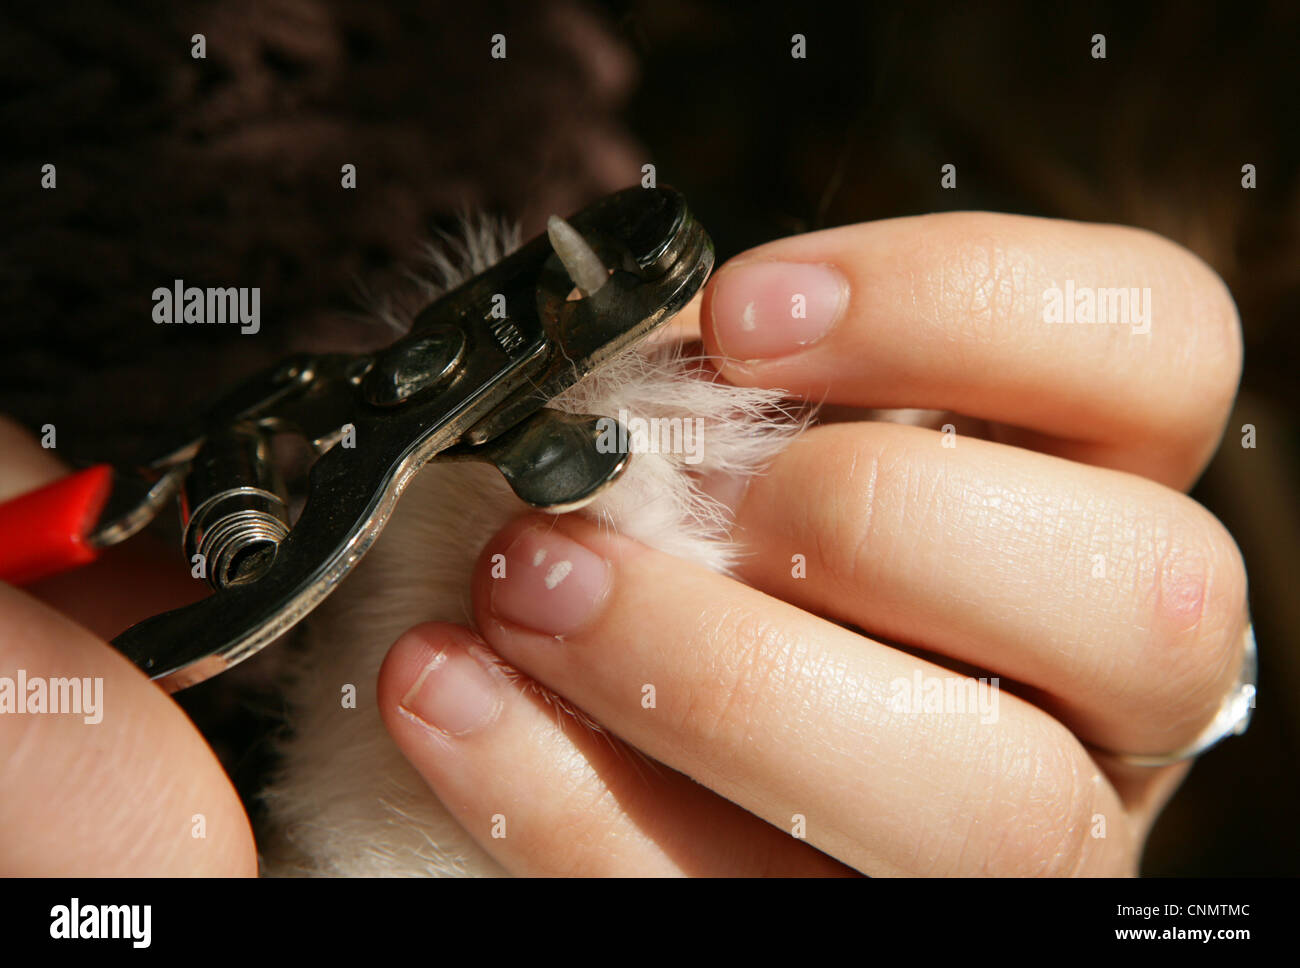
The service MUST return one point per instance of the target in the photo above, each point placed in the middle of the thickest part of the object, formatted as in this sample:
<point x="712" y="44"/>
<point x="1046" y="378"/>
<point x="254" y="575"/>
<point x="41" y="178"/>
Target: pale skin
<point x="767" y="743"/>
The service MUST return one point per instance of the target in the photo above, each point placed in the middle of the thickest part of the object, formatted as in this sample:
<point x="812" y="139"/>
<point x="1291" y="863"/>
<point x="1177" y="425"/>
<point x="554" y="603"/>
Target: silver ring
<point x="1232" y="719"/>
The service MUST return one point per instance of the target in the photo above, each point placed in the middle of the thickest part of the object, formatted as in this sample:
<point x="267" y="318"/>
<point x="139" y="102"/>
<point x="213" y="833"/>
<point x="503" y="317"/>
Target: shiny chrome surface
<point x="469" y="382"/>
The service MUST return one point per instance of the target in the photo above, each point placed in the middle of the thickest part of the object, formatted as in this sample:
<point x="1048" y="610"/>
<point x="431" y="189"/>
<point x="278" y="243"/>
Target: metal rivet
<point x="408" y="368"/>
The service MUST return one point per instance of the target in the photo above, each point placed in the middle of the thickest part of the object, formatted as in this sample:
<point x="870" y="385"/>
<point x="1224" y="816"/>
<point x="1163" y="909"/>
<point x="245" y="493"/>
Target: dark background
<point x="225" y="172"/>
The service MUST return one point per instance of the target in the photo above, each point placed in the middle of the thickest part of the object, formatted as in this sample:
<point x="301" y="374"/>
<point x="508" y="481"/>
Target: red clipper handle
<point x="46" y="531"/>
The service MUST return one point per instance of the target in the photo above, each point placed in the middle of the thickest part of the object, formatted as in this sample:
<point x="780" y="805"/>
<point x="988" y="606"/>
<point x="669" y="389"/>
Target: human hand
<point x="1057" y="553"/>
<point x="128" y="787"/>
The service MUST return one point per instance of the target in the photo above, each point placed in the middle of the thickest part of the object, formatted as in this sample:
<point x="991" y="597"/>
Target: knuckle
<point x="982" y="283"/>
<point x="743" y="665"/>
<point x="1193" y="600"/>
<point x="576" y="835"/>
<point x="574" y="828"/>
<point x="1052" y="795"/>
<point x="874" y="491"/>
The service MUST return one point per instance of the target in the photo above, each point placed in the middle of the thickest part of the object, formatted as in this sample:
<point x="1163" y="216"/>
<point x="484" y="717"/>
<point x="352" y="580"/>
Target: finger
<point x="24" y="464"/>
<point x="947" y="312"/>
<point x="794" y="718"/>
<point x="1122" y="602"/>
<point x="126" y="786"/>
<point x="546" y="794"/>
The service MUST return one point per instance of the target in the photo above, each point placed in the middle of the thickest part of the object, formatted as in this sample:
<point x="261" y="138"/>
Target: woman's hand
<point x="1058" y="555"/>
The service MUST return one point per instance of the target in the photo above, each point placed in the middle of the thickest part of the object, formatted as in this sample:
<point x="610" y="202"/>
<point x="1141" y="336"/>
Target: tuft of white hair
<point x="345" y="801"/>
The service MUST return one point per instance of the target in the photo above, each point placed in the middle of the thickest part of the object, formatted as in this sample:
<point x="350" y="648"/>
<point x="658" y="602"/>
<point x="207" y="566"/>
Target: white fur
<point x="346" y="801"/>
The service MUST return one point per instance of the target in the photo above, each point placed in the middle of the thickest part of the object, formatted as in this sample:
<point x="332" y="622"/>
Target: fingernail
<point x="454" y="692"/>
<point x="763" y="310"/>
<point x="550" y="583"/>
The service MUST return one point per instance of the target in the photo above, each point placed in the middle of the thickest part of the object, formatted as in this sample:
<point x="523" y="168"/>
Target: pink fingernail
<point x="550" y="584"/>
<point x="763" y="310"/>
<point x="454" y="692"/>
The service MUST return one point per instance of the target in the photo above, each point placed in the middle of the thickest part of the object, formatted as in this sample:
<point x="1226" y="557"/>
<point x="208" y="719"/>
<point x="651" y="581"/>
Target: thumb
<point x="123" y="785"/>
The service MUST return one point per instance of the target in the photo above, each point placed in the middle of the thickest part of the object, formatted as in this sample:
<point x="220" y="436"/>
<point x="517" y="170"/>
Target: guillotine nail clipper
<point x="470" y="381"/>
